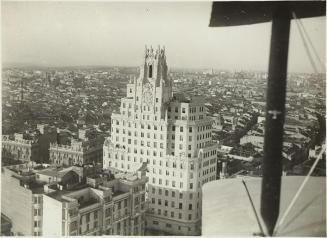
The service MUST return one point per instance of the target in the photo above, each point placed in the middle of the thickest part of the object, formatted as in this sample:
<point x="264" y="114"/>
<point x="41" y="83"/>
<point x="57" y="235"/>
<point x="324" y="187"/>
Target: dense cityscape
<point x="217" y="130"/>
<point x="58" y="119"/>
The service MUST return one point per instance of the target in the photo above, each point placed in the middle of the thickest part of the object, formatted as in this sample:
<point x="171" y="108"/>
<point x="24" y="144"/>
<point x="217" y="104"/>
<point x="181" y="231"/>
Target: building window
<point x="150" y="71"/>
<point x="181" y="129"/>
<point x="180" y="205"/>
<point x="173" y="184"/>
<point x="190" y="207"/>
<point x="36" y="223"/>
<point x="107" y="212"/>
<point x="37" y="212"/>
<point x="190" y="216"/>
<point x="88" y="217"/>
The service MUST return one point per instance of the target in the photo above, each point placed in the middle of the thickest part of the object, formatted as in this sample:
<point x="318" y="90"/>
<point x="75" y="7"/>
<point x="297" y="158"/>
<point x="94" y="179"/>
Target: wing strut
<point x="275" y="115"/>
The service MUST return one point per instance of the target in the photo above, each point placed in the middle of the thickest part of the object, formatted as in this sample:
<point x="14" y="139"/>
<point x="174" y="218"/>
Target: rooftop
<point x="58" y="194"/>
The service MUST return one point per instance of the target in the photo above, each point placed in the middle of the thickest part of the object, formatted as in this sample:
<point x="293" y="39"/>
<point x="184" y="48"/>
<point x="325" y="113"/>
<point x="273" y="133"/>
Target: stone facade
<point x="107" y="207"/>
<point x="27" y="147"/>
<point x="172" y="134"/>
<point x="80" y="151"/>
<point x="18" y="148"/>
<point x="21" y="200"/>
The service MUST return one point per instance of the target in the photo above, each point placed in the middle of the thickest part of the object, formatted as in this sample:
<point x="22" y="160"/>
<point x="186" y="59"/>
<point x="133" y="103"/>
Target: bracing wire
<point x="305" y="44"/>
<point x="311" y="44"/>
<point x="300" y="189"/>
<point x="254" y="210"/>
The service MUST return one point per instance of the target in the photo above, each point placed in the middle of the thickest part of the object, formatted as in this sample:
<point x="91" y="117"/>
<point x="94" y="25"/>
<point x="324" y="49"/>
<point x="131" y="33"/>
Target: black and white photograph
<point x="170" y="118"/>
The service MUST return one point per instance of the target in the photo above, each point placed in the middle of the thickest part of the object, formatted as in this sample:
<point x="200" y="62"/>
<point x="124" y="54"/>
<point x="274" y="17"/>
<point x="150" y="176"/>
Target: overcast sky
<point x="109" y="33"/>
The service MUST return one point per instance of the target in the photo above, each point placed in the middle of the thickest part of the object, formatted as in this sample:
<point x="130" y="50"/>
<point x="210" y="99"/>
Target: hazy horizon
<point x="77" y="34"/>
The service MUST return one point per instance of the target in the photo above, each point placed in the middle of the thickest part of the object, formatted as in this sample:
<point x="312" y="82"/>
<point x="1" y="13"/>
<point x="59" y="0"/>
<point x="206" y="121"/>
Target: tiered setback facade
<point x="173" y="136"/>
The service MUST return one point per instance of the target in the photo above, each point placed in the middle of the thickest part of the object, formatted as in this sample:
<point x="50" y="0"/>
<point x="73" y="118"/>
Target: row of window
<point x="168" y="173"/>
<point x="207" y="171"/>
<point x="87" y="217"/>
<point x="203" y="144"/>
<point x="172" y="193"/>
<point x="120" y="203"/>
<point x="148" y="135"/>
<point x="168" y="225"/>
<point x="155" y="127"/>
<point x="172" y="214"/>
<point x="171" y="164"/>
<point x="172" y="204"/>
<point x="142" y="126"/>
<point x="173" y="183"/>
<point x="203" y="136"/>
<point x="95" y="226"/>
<point x="191" y="109"/>
<point x="129" y="124"/>
<point x="180" y="146"/>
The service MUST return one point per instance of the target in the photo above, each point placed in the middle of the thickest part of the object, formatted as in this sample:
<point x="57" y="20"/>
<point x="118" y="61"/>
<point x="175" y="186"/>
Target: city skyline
<point x="77" y="32"/>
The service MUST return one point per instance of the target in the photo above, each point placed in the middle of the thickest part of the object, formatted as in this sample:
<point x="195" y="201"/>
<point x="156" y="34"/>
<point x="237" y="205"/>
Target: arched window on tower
<point x="150" y="71"/>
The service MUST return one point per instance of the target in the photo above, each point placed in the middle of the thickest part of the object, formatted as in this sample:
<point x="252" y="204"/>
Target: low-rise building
<point x="105" y="205"/>
<point x="18" y="148"/>
<point x="21" y="199"/>
<point x="80" y="200"/>
<point x="86" y="149"/>
<point x="30" y="146"/>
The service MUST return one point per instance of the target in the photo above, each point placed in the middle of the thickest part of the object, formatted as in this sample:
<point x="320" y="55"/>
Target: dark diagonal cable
<point x="311" y="44"/>
<point x="305" y="45"/>
<point x="253" y="208"/>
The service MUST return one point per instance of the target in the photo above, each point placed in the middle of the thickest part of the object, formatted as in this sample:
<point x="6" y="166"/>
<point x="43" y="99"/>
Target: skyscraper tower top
<point x="154" y="68"/>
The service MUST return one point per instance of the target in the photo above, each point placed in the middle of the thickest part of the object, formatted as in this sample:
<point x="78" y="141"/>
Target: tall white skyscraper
<point x="173" y="136"/>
